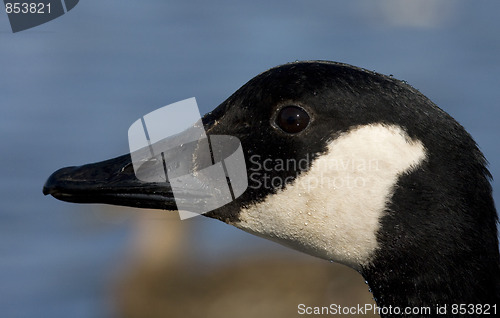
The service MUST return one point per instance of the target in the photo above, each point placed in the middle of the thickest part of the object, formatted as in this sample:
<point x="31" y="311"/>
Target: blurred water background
<point x="70" y="88"/>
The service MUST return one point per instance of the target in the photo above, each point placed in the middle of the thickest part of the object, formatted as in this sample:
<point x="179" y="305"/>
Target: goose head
<point x="350" y="166"/>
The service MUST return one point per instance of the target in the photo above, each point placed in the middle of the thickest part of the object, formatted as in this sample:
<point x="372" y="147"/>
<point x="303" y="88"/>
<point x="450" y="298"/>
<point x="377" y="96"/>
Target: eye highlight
<point x="292" y="119"/>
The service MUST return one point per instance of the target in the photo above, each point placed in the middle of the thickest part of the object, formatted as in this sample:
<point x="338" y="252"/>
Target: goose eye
<point x="292" y="119"/>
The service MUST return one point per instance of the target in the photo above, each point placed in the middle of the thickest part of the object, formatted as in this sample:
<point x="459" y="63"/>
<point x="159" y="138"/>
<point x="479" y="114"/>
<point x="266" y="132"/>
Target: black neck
<point x="429" y="282"/>
<point x="438" y="242"/>
<point x="416" y="271"/>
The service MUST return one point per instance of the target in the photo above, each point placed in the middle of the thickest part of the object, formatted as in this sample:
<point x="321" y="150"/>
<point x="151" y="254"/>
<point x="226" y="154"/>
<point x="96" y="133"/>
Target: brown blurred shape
<point x="161" y="281"/>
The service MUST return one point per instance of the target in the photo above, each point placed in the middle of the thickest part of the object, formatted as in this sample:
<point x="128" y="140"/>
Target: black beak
<point x="114" y="182"/>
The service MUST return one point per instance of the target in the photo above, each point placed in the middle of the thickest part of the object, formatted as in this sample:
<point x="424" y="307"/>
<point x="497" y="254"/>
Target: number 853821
<point x="27" y="7"/>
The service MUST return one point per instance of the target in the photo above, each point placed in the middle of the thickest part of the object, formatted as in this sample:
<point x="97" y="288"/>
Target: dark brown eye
<point x="292" y="119"/>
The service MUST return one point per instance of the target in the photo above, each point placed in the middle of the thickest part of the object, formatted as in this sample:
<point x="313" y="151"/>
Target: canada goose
<point x="384" y="181"/>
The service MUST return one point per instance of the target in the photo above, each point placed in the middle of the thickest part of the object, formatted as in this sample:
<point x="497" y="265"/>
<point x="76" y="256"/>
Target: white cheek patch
<point x="333" y="211"/>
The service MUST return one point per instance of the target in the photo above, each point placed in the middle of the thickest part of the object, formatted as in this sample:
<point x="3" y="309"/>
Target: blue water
<point x="69" y="90"/>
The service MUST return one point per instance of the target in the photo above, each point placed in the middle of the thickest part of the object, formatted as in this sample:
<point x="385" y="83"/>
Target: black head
<point x="428" y="205"/>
